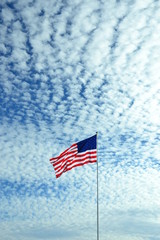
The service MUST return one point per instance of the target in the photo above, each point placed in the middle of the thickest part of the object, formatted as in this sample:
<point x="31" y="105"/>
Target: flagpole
<point x="97" y="193"/>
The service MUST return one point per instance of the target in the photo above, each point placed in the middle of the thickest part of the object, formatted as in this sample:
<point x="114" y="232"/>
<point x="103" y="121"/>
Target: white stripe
<point x="59" y="165"/>
<point x="75" y="157"/>
<point x="81" y="161"/>
<point x="76" y="164"/>
<point x="67" y="154"/>
<point x="87" y="151"/>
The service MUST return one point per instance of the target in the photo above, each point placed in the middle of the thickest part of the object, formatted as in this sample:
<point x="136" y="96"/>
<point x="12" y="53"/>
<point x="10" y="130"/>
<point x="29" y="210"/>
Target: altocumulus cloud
<point x="69" y="69"/>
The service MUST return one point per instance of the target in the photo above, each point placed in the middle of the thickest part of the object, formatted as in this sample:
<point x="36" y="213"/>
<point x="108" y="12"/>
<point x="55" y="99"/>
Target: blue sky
<point x="69" y="69"/>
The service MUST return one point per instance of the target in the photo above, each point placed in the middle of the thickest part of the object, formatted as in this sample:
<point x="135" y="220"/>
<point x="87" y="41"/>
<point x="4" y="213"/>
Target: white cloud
<point x="7" y="15"/>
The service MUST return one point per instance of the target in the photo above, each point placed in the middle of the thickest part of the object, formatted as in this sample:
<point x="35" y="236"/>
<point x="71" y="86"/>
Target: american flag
<point x="76" y="155"/>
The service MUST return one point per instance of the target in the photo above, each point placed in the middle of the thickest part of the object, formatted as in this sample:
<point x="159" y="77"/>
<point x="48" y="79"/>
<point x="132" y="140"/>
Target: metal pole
<point x="97" y="194"/>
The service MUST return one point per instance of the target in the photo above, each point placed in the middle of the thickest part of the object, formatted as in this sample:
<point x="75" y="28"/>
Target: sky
<point x="68" y="69"/>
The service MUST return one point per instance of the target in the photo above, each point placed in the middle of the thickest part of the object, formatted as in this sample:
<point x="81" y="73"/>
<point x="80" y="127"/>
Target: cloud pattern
<point x="69" y="69"/>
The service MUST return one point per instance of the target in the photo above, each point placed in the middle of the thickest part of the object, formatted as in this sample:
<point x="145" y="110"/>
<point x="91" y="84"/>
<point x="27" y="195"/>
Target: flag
<point x="76" y="155"/>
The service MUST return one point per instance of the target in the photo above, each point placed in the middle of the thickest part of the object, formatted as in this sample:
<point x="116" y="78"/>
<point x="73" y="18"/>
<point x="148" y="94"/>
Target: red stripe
<point x="81" y="155"/>
<point x="75" y="157"/>
<point x="77" y="160"/>
<point x="62" y="164"/>
<point x="63" y="153"/>
<point x="87" y="152"/>
<point x="77" y="165"/>
<point x="81" y="164"/>
<point x="67" y="165"/>
<point x="64" y="159"/>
